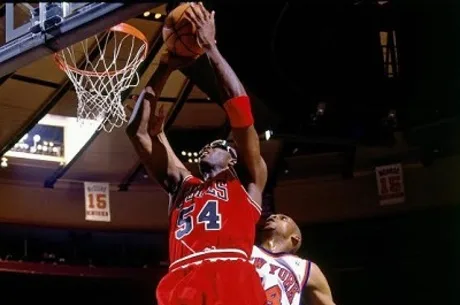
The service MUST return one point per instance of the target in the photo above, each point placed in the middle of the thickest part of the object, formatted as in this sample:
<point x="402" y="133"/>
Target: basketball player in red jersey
<point x="212" y="220"/>
<point x="285" y="276"/>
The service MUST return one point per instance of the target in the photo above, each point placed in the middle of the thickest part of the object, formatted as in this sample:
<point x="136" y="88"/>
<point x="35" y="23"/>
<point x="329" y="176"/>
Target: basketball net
<point x="108" y="68"/>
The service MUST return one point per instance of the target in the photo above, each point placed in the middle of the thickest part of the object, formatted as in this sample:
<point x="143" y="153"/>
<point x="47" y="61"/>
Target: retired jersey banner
<point x="97" y="204"/>
<point x="390" y="184"/>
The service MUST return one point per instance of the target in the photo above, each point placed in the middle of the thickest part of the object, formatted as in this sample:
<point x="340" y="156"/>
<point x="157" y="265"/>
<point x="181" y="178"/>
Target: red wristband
<point x="239" y="112"/>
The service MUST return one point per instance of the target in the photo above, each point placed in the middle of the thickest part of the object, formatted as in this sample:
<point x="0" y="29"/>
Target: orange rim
<point x="123" y="28"/>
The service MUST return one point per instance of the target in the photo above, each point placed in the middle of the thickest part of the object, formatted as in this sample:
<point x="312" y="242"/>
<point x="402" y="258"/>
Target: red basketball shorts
<point x="230" y="282"/>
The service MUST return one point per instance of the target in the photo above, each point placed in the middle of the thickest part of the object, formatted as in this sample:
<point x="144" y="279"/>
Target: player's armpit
<point x="317" y="288"/>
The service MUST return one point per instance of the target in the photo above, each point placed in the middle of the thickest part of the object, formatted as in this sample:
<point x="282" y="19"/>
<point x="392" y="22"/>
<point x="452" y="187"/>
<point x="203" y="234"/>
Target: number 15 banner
<point x="390" y="184"/>
<point x="97" y="204"/>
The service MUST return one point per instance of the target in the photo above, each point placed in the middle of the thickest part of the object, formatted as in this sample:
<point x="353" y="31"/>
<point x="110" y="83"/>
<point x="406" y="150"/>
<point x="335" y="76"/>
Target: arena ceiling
<point x="317" y="77"/>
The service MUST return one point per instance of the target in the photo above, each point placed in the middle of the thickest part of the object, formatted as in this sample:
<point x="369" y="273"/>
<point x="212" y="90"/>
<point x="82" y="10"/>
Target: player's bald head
<point x="285" y="227"/>
<point x="297" y="235"/>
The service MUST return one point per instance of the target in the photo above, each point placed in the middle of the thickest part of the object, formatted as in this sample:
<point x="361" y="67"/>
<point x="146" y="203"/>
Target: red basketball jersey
<point x="211" y="216"/>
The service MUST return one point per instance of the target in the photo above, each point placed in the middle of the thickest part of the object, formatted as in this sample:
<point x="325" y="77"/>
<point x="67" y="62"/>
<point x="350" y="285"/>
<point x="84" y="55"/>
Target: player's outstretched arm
<point x="317" y="290"/>
<point x="236" y="102"/>
<point x="145" y="130"/>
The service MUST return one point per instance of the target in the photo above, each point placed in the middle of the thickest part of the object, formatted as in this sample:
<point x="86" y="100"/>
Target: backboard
<point x="34" y="30"/>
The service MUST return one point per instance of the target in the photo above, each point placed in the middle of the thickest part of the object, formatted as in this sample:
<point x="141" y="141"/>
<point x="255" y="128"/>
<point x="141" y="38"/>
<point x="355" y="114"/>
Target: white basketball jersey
<point x="283" y="275"/>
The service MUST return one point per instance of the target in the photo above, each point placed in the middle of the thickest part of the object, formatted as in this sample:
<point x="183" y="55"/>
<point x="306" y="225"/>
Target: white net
<point x="101" y="68"/>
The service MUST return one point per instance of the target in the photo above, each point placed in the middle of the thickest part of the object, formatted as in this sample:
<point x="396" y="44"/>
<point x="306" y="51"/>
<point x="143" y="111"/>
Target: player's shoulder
<point x="228" y="175"/>
<point x="187" y="182"/>
<point x="256" y="250"/>
<point x="296" y="260"/>
<point x="191" y="180"/>
<point x="284" y="255"/>
<point x="300" y="261"/>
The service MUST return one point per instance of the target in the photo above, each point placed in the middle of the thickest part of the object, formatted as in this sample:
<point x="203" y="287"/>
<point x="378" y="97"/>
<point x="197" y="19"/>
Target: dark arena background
<point x="357" y="106"/>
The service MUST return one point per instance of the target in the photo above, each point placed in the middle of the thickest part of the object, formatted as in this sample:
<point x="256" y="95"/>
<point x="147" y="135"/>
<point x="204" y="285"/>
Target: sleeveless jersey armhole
<point x="307" y="274"/>
<point x="173" y="196"/>
<point x="253" y="203"/>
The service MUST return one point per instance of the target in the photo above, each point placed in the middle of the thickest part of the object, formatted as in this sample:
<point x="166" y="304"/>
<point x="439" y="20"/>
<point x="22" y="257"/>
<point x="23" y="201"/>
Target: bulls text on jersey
<point x="217" y="189"/>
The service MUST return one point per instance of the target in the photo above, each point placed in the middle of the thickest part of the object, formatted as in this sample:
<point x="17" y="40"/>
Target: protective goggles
<point x="222" y="144"/>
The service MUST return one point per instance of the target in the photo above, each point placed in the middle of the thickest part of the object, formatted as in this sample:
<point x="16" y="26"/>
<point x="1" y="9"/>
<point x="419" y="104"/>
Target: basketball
<point x="179" y="33"/>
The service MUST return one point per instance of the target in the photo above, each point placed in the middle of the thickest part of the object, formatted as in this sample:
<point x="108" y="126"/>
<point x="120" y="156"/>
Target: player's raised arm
<point x="236" y="102"/>
<point x="317" y="290"/>
<point x="145" y="130"/>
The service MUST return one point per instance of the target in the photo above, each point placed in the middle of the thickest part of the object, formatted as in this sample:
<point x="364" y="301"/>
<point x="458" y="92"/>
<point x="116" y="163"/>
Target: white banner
<point x="97" y="201"/>
<point x="390" y="184"/>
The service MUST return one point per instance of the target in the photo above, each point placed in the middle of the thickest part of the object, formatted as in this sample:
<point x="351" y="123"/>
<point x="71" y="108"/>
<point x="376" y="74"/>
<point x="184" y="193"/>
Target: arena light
<point x="318" y="114"/>
<point x="158" y="16"/>
<point x="40" y="146"/>
<point x="268" y="134"/>
<point x="392" y="114"/>
<point x="391" y="119"/>
<point x="4" y="162"/>
<point x="320" y="108"/>
<point x="146" y="14"/>
<point x="190" y="156"/>
<point x="45" y="142"/>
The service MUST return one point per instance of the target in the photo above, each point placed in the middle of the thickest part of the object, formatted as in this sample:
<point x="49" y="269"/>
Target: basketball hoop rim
<point x="123" y="28"/>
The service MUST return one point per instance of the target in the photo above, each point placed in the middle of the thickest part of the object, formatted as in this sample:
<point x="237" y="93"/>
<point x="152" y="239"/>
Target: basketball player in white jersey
<point x="286" y="277"/>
